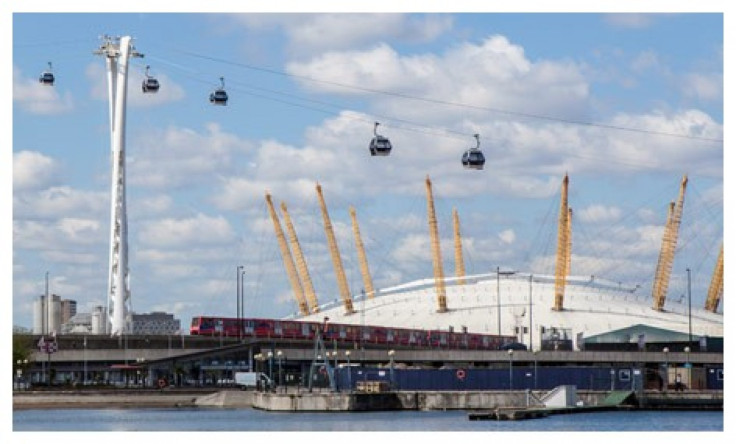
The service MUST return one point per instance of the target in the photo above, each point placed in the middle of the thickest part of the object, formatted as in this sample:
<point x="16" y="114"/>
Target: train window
<point x="624" y="375"/>
<point x="343" y="335"/>
<point x="305" y="330"/>
<point x="277" y="327"/>
<point x="366" y="333"/>
<point x="719" y="374"/>
<point x="390" y="335"/>
<point x="195" y="322"/>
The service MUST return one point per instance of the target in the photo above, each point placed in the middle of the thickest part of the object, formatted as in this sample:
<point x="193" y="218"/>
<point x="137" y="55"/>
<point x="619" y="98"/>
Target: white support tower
<point x="117" y="51"/>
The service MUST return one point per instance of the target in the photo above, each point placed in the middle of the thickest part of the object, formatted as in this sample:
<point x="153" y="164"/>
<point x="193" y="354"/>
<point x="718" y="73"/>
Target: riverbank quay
<point x="139" y="398"/>
<point x="325" y="401"/>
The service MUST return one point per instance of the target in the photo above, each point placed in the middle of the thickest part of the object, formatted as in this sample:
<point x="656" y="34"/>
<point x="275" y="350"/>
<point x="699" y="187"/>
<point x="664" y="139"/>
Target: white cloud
<point x="59" y="201"/>
<point x="80" y="230"/>
<point x="494" y="73"/>
<point x="598" y="214"/>
<point x="66" y="233"/>
<point x="176" y="157"/>
<point x="34" y="171"/>
<point x="311" y="33"/>
<point x="631" y="21"/>
<point x="507" y="236"/>
<point x="703" y="86"/>
<point x="185" y="233"/>
<point x="37" y="98"/>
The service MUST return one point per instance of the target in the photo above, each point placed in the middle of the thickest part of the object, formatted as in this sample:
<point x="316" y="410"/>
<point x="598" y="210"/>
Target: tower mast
<point x="296" y="286"/>
<point x="561" y="263"/>
<point x="568" y="251"/>
<point x="439" y="276"/>
<point x="301" y="263"/>
<point x="362" y="258"/>
<point x="117" y="52"/>
<point x="715" y="291"/>
<point x="342" y="282"/>
<point x="459" y="263"/>
<point x="667" y="253"/>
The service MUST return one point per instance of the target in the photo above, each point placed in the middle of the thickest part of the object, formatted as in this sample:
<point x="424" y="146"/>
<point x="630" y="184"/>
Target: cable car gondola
<point x="380" y="146"/>
<point x="219" y="96"/>
<point x="473" y="158"/>
<point x="47" y="77"/>
<point x="150" y="84"/>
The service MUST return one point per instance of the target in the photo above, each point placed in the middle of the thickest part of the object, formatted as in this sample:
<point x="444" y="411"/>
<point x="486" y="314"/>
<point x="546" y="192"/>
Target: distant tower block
<point x="117" y="52"/>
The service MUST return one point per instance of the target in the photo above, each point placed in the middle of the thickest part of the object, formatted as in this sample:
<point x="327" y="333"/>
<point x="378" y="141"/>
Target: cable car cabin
<point x="47" y="78"/>
<point x="473" y="159"/>
<point x="218" y="97"/>
<point x="150" y="85"/>
<point x="380" y="146"/>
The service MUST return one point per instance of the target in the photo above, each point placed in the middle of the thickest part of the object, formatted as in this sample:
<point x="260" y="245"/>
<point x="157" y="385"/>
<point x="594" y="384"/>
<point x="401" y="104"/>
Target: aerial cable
<point x="412" y="126"/>
<point x="456" y="104"/>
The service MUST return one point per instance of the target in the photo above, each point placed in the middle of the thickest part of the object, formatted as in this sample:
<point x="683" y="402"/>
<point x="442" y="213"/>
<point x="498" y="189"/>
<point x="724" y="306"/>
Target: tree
<point x="22" y="348"/>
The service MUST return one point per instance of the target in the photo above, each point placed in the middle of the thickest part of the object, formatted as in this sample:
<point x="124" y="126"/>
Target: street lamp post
<point x="279" y="355"/>
<point x="350" y="382"/>
<point x="84" y="379"/>
<point x="535" y="368"/>
<point x="689" y="312"/>
<point x="270" y="365"/>
<point x="238" y="285"/>
<point x="242" y="303"/>
<point x="666" y="351"/>
<point x="689" y="367"/>
<point x="498" y="298"/>
<point x="511" y="369"/>
<point x="391" y="367"/>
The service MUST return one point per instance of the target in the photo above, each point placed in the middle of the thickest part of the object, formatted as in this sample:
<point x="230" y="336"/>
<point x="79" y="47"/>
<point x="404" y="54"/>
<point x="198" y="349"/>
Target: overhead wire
<point x="450" y="103"/>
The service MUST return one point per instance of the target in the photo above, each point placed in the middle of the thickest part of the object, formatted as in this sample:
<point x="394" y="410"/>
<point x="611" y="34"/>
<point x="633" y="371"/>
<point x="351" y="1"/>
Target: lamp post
<point x="531" y="330"/>
<point x="84" y="379"/>
<point x="498" y="297"/>
<point x="689" y="312"/>
<point x="535" y="368"/>
<point x="350" y="382"/>
<point x="279" y="355"/>
<point x="666" y="351"/>
<point x="689" y="366"/>
<point x="22" y="363"/>
<point x="270" y="365"/>
<point x="511" y="369"/>
<point x="242" y="303"/>
<point x="238" y="284"/>
<point x="391" y="367"/>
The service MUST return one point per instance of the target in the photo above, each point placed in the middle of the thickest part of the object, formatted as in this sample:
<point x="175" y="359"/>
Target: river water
<point x="216" y="419"/>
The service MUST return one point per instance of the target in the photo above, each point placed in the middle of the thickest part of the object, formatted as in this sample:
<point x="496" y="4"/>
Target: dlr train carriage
<point x="287" y="329"/>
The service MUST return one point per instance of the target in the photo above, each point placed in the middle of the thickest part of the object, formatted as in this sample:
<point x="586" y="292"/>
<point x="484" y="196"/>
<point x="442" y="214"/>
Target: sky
<point x="626" y="104"/>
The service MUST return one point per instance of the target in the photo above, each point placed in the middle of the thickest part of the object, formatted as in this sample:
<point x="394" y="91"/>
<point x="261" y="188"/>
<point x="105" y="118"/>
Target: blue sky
<point x="544" y="91"/>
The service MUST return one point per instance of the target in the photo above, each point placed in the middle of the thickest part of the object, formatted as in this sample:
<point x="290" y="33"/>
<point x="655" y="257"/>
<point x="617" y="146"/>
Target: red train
<point x="289" y="329"/>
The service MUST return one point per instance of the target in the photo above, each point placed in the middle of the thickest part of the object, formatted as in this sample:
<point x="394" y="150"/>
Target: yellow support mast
<point x="459" y="263"/>
<point x="439" y="276"/>
<point x="660" y="259"/>
<point x="569" y="242"/>
<point x="296" y="286"/>
<point x="362" y="258"/>
<point x="561" y="262"/>
<point x="301" y="263"/>
<point x="667" y="254"/>
<point x="715" y="292"/>
<point x="342" y="282"/>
